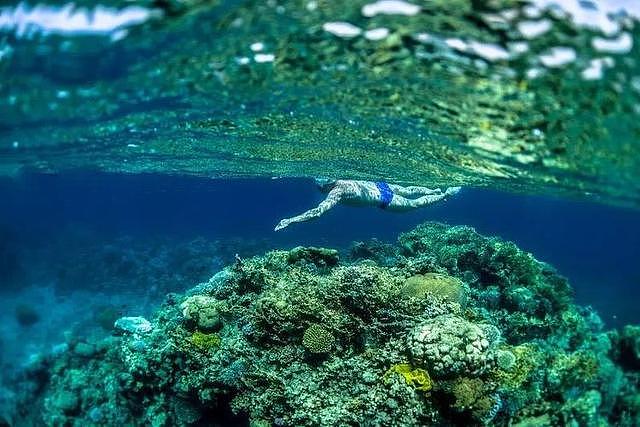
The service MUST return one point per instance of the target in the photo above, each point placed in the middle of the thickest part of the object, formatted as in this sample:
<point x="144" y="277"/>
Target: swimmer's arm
<point x="332" y="199"/>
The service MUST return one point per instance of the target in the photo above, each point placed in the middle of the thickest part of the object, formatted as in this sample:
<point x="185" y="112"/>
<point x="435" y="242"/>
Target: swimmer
<point x="367" y="193"/>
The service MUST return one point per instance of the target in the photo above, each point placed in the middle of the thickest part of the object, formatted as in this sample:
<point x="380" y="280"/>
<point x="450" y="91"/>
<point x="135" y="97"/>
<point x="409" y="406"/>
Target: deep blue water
<point x="595" y="246"/>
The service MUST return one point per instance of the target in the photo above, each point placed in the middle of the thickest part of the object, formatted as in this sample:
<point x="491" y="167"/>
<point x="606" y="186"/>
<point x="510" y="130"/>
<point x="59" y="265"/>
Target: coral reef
<point x="452" y="329"/>
<point x="472" y="395"/>
<point x="205" y="342"/>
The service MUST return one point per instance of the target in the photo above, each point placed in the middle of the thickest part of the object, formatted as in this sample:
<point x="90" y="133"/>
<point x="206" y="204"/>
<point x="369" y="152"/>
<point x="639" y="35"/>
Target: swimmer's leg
<point x="413" y="191"/>
<point x="400" y="203"/>
<point x="426" y="200"/>
<point x="452" y="190"/>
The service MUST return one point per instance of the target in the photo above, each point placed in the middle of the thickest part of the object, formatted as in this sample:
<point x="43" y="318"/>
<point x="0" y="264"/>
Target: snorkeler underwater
<point x="365" y="193"/>
<point x="470" y="259"/>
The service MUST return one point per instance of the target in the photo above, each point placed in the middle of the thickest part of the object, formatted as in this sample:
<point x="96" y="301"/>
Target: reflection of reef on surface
<point x="458" y="93"/>
<point x="454" y="328"/>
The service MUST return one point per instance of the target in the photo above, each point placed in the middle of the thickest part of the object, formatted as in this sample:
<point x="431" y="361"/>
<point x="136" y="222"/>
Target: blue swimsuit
<point x="386" y="194"/>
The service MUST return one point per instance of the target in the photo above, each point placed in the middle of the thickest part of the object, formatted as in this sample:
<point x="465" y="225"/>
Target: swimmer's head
<point x="325" y="185"/>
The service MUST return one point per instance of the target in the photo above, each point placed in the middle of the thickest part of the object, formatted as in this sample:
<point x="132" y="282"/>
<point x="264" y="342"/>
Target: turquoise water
<point x="149" y="148"/>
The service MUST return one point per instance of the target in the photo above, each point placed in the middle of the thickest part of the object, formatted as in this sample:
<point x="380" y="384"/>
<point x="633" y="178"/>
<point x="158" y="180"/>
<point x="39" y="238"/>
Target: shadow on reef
<point x="445" y="328"/>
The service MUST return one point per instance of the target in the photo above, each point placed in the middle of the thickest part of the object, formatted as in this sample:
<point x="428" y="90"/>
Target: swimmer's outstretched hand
<point x="282" y="224"/>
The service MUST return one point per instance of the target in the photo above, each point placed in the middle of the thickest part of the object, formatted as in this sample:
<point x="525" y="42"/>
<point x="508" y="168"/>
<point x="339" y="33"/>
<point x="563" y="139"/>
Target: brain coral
<point x="317" y="339"/>
<point x="450" y="345"/>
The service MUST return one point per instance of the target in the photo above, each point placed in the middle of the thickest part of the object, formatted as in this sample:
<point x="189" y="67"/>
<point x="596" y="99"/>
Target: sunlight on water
<point x="24" y="21"/>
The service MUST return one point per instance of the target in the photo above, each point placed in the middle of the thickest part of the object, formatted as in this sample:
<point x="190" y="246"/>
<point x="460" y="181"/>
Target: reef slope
<point x="446" y="327"/>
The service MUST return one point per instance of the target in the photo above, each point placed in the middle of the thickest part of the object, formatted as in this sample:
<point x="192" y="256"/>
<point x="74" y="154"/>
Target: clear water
<point x="146" y="145"/>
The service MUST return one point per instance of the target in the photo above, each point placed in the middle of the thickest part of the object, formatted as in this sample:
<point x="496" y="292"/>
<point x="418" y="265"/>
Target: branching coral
<point x="474" y="396"/>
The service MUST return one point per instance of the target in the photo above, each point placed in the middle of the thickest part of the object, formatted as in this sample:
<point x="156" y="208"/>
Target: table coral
<point x="437" y="285"/>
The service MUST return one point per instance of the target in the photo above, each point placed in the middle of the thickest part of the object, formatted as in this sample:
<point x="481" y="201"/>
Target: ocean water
<point x="149" y="148"/>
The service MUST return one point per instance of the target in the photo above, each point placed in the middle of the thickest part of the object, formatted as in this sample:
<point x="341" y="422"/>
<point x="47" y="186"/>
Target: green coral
<point x="206" y="342"/>
<point x="318" y="339"/>
<point x="474" y="396"/>
<point x="584" y="410"/>
<point x="367" y="289"/>
<point x="439" y="285"/>
<point x="505" y="360"/>
<point x="417" y="378"/>
<point x="579" y="368"/>
<point x="528" y="359"/>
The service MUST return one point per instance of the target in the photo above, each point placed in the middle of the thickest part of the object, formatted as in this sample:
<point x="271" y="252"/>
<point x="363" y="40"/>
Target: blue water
<point x="595" y="246"/>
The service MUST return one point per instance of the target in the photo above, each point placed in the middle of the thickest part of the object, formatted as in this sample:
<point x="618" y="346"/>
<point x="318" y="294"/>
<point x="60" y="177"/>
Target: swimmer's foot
<point x="452" y="190"/>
